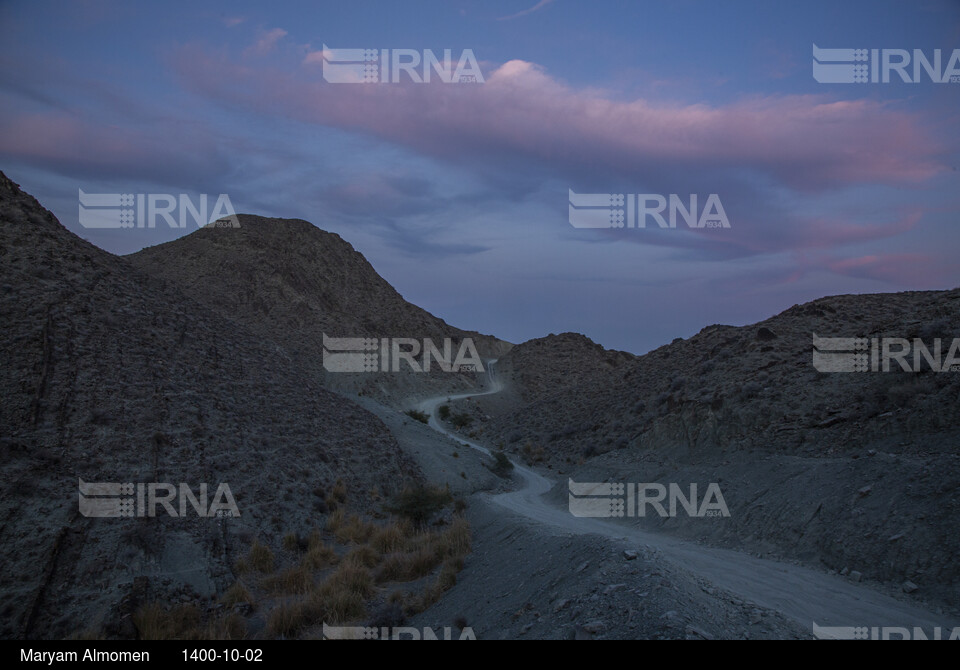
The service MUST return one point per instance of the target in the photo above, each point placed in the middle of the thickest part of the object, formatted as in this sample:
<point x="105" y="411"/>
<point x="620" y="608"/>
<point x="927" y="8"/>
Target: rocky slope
<point x="112" y="375"/>
<point x="857" y="472"/>
<point x="289" y="281"/>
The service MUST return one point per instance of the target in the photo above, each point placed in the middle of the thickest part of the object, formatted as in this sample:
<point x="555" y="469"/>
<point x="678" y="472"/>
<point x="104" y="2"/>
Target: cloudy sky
<point x="458" y="193"/>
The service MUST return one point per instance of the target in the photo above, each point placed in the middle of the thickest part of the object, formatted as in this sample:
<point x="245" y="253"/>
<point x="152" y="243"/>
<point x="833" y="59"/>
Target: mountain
<point x="113" y="375"/>
<point x="858" y="471"/>
<point x="290" y="282"/>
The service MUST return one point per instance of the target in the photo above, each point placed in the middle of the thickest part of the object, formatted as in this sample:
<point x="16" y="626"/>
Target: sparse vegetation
<point x="236" y="595"/>
<point x="297" y="579"/>
<point x="286" y="619"/>
<point x="419" y="503"/>
<point x="319" y="555"/>
<point x="417" y="415"/>
<point x="338" y="495"/>
<point x="502" y="465"/>
<point x="156" y="622"/>
<point x="323" y="586"/>
<point x="349" y="528"/>
<point x="461" y="420"/>
<point x="291" y="542"/>
<point x="532" y="453"/>
<point x="261" y="558"/>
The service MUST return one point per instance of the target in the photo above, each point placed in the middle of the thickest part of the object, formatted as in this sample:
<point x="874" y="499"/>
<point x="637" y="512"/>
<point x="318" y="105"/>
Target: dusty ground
<point x="569" y="577"/>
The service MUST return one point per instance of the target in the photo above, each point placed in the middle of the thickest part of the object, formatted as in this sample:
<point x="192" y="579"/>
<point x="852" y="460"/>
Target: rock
<point x="629" y="554"/>
<point x="581" y="634"/>
<point x="594" y="627"/>
<point x="756" y="616"/>
<point x="612" y="588"/>
<point x="865" y="491"/>
<point x="845" y="572"/>
<point x="561" y="604"/>
<point x="765" y="334"/>
<point x="699" y="632"/>
<point x="909" y="587"/>
<point x="856" y="576"/>
<point x="894" y="538"/>
<point x="583" y="566"/>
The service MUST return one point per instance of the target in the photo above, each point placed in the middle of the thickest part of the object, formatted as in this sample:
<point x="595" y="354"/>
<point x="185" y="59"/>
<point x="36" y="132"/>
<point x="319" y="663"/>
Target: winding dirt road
<point x="805" y="595"/>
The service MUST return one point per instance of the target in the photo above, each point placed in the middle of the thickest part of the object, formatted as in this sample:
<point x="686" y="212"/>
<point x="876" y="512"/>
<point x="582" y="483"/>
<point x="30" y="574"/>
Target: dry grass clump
<point x="156" y="622"/>
<point x="326" y="585"/>
<point x="261" y="558"/>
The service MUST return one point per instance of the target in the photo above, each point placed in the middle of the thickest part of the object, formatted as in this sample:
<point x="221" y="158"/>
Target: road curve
<point x="805" y="595"/>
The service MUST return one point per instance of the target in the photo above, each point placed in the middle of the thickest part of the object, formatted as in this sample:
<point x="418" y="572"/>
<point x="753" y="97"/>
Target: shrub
<point x="286" y="619"/>
<point x="292" y="580"/>
<point x="230" y="627"/>
<point x="390" y="539"/>
<point x="419" y="503"/>
<point x="444" y="412"/>
<point x="319" y="555"/>
<point x="533" y="453"/>
<point x="350" y="578"/>
<point x="418" y="415"/>
<point x="349" y="528"/>
<point x="939" y="328"/>
<point x="407" y="566"/>
<point x="155" y="622"/>
<point x="334" y="604"/>
<point x="455" y="540"/>
<point x="461" y="420"/>
<point x="363" y="556"/>
<point x="337" y="495"/>
<point x="502" y="466"/>
<point x="261" y="558"/>
<point x="236" y="595"/>
<point x="291" y="542"/>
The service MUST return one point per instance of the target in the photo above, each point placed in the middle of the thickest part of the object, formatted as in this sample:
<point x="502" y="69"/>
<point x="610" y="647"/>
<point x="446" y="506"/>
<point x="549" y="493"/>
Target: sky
<point x="459" y="193"/>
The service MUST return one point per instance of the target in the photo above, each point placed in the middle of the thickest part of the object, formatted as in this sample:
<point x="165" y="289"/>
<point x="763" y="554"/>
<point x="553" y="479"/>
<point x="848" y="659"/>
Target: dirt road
<point x="804" y="595"/>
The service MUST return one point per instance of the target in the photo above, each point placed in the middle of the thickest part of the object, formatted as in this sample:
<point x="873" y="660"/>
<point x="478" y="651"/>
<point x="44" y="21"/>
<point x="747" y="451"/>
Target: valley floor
<point x="539" y="572"/>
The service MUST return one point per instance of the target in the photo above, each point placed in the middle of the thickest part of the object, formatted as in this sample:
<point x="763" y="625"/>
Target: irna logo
<point x="392" y="66"/>
<point x="115" y="499"/>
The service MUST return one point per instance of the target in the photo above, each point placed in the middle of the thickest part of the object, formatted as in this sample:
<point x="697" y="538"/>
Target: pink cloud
<point x="68" y="144"/>
<point x="905" y="270"/>
<point x="266" y="42"/>
<point x="806" y="142"/>
<point x="911" y="269"/>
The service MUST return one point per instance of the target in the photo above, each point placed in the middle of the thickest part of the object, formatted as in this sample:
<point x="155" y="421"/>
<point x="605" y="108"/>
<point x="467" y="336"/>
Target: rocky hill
<point x="544" y="366"/>
<point x="290" y="282"/>
<point x="113" y="375"/>
<point x="857" y="471"/>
